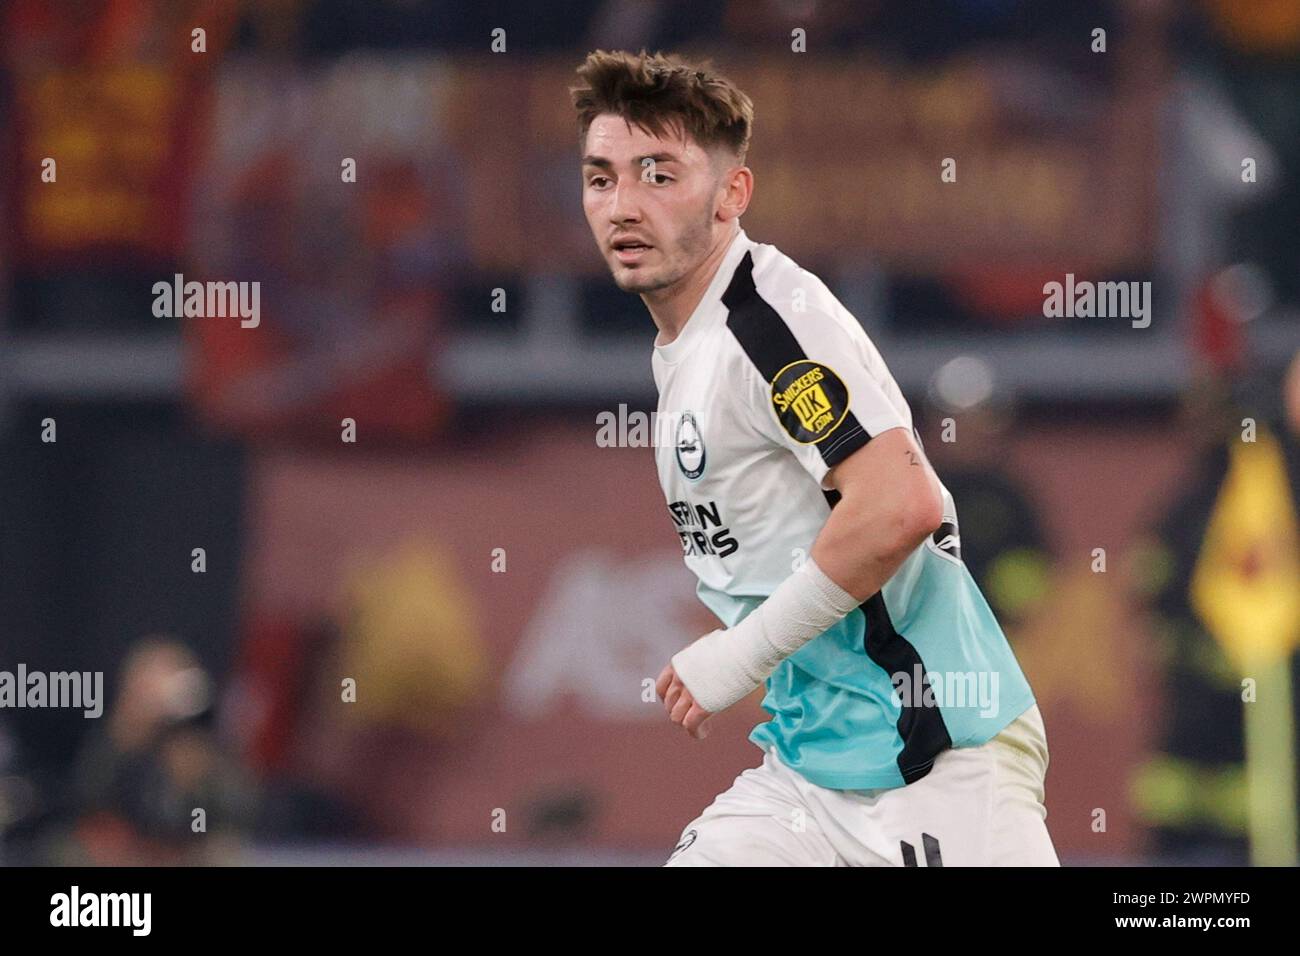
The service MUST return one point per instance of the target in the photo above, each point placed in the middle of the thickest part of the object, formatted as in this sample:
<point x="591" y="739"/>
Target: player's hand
<point x="680" y="705"/>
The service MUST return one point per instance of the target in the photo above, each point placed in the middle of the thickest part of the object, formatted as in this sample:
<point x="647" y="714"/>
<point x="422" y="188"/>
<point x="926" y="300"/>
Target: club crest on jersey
<point x="690" y="447"/>
<point x="810" y="400"/>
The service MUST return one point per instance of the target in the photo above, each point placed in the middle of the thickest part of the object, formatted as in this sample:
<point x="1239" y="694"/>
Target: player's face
<point x="651" y="203"/>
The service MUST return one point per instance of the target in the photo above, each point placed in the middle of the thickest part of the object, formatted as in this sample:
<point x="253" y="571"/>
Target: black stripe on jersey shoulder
<point x="758" y="327"/>
<point x="771" y="346"/>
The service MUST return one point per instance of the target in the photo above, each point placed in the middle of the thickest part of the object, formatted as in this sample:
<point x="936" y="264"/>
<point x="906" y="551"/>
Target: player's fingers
<point x="672" y="699"/>
<point x="663" y="680"/>
<point x="697" y="722"/>
<point x="674" y="687"/>
<point x="683" y="706"/>
<point x="675" y="690"/>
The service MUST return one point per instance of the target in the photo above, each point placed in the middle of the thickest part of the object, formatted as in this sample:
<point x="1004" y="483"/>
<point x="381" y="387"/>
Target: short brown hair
<point x="658" y="93"/>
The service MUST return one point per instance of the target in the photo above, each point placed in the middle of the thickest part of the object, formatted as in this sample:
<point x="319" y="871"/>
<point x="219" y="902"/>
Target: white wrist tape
<point x="723" y="666"/>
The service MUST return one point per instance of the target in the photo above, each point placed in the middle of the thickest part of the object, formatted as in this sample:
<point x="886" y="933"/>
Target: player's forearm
<point x="864" y="541"/>
<point x="890" y="500"/>
<point x="723" y="666"/>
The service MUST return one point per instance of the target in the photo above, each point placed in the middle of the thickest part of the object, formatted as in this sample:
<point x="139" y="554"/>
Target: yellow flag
<point x="1246" y="584"/>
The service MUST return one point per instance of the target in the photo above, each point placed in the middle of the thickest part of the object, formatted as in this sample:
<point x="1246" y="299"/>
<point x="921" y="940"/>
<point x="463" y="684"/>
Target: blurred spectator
<point x="145" y="772"/>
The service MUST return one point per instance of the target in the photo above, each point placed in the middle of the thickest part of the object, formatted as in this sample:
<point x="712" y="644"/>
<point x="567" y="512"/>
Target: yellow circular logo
<point x="810" y="400"/>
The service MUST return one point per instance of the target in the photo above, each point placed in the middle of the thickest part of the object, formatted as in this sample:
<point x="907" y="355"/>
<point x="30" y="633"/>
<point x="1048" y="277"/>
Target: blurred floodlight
<point x="1244" y="290"/>
<point x="963" y="383"/>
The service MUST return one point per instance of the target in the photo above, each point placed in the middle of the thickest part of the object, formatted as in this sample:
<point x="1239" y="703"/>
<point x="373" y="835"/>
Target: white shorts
<point x="978" y="806"/>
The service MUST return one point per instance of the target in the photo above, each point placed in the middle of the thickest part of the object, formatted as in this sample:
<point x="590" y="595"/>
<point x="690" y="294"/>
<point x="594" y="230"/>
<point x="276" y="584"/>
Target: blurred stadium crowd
<point x="488" y="576"/>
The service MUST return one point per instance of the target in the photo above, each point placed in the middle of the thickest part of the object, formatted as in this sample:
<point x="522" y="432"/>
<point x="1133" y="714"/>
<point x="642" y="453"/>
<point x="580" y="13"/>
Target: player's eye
<point x="598" y="182"/>
<point x="661" y="179"/>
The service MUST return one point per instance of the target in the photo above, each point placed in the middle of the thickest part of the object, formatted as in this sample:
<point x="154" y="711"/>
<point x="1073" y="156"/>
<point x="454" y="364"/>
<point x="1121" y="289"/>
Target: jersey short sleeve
<point x="812" y="383"/>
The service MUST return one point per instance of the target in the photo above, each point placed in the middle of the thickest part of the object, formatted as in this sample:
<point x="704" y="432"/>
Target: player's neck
<point x="671" y="308"/>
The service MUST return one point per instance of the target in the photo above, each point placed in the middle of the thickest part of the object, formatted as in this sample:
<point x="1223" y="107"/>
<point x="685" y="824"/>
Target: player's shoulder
<point x="797" y="297"/>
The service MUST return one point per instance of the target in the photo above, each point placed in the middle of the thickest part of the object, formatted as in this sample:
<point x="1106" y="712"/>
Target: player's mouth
<point x="630" y="251"/>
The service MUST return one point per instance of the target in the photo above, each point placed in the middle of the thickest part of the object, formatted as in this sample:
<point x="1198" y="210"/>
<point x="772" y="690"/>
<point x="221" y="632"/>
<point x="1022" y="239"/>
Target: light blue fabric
<point x="835" y="711"/>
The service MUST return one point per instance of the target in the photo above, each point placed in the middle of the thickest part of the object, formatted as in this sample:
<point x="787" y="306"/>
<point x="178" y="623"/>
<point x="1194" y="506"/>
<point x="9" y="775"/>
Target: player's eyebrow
<point x="600" y="162"/>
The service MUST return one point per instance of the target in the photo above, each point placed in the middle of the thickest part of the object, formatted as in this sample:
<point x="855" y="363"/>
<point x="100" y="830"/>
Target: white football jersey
<point x="769" y="384"/>
<point x="736" y="473"/>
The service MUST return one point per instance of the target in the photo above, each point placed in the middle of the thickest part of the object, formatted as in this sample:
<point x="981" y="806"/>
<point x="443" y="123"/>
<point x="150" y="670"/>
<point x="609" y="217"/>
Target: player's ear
<point x="737" y="187"/>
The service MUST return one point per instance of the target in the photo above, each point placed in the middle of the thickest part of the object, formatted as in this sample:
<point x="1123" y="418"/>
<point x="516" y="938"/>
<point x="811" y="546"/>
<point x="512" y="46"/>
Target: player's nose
<point x="625" y="207"/>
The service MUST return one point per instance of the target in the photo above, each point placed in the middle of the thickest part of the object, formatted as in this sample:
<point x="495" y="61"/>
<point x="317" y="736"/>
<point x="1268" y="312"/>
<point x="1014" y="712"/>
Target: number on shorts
<point x="931" y="846"/>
